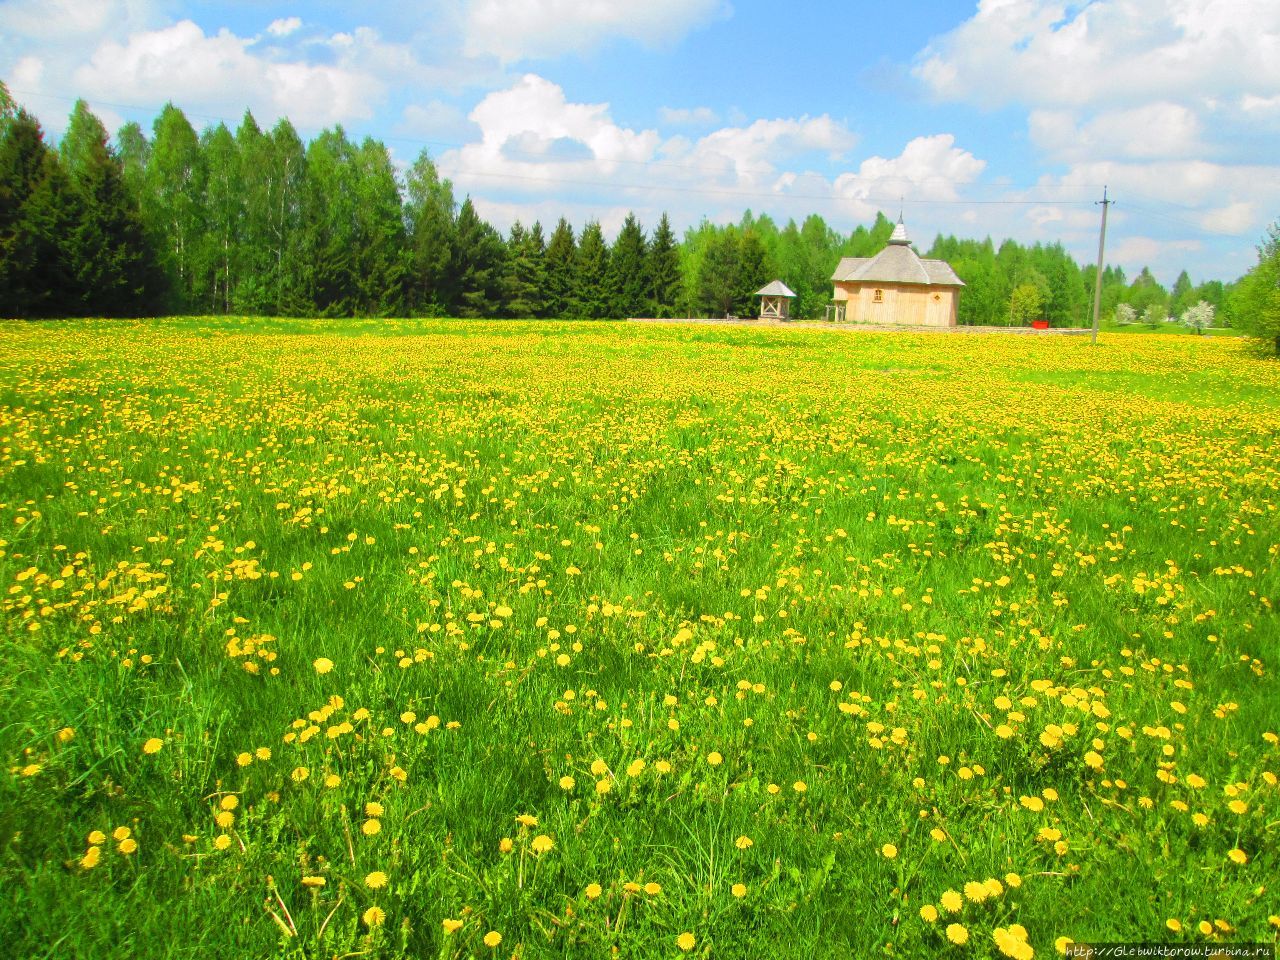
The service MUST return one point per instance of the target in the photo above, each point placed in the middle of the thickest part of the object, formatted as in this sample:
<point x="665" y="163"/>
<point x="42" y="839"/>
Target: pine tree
<point x="38" y="212"/>
<point x="718" y="274"/>
<point x="477" y="264"/>
<point x="628" y="281"/>
<point x="562" y="278"/>
<point x="430" y="211"/>
<point x="754" y="271"/>
<point x="592" y="299"/>
<point x="381" y="255"/>
<point x="114" y="265"/>
<point x="524" y="274"/>
<point x="663" y="272"/>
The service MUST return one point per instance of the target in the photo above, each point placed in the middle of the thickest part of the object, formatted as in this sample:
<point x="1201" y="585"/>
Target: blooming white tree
<point x="1198" y="317"/>
<point x="1125" y="314"/>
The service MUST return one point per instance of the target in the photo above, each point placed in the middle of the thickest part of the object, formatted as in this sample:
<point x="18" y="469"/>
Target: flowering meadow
<point x="446" y="639"/>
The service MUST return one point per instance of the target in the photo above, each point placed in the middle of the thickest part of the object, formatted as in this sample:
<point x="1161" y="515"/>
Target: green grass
<point x="1004" y="591"/>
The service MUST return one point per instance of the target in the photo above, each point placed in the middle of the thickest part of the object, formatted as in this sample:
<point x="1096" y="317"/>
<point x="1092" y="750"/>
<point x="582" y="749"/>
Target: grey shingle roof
<point x="897" y="263"/>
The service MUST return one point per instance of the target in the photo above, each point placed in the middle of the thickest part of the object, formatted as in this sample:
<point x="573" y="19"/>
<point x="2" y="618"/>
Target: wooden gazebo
<point x="775" y="301"/>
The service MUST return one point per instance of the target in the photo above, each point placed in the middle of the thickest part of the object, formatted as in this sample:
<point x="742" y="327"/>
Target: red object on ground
<point x="1040" y="324"/>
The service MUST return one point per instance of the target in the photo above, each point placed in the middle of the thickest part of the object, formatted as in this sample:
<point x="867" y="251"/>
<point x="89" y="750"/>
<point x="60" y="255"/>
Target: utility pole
<point x="1097" y="280"/>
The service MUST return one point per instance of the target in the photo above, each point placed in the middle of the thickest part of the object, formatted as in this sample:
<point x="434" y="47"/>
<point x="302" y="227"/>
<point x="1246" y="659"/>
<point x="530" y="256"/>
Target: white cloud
<point x="514" y="30"/>
<point x="693" y="117"/>
<point x="284" y="26"/>
<point x="1108" y="52"/>
<point x="929" y="168"/>
<point x="206" y="74"/>
<point x="1234" y="218"/>
<point x="1157" y="130"/>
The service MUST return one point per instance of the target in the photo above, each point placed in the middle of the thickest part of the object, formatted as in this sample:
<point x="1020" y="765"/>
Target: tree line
<point x="256" y="221"/>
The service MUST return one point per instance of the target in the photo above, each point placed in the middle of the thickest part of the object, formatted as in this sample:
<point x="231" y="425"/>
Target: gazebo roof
<point x="775" y="289"/>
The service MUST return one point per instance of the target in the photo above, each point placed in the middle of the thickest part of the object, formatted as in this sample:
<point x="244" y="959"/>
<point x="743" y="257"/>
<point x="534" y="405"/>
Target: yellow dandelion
<point x="375" y="880"/>
<point x="121" y="833"/>
<point x="888" y="851"/>
<point x="567" y="783"/>
<point x="373" y="917"/>
<point x="373" y="809"/>
<point x="220" y="842"/>
<point x="635" y="768"/>
<point x="322" y="665"/>
<point x="951" y="901"/>
<point x="244" y="759"/>
<point x="127" y="846"/>
<point x="739" y="890"/>
<point x="314" y="883"/>
<point x="686" y="941"/>
<point x="929" y="913"/>
<point x="96" y="837"/>
<point x="506" y="845"/>
<point x="525" y="820"/>
<point x="541" y="843"/>
<point x="371" y="828"/>
<point x="603" y="787"/>
<point x="714" y="759"/>
<point x="1174" y="924"/>
<point x="492" y="939"/>
<point x="1238" y="856"/>
<point x="1061" y="944"/>
<point x="153" y="745"/>
<point x="332" y="781"/>
<point x="450" y="925"/>
<point x="91" y="858"/>
<point x="743" y="842"/>
<point x="299" y="774"/>
<point x="799" y="786"/>
<point x="263" y="753"/>
<point x="593" y="891"/>
<point x="957" y="934"/>
<point x="652" y="889"/>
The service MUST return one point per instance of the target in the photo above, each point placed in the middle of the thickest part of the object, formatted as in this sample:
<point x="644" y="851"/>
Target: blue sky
<point x="1000" y="118"/>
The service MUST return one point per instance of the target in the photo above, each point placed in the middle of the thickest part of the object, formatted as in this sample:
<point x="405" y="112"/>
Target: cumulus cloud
<point x="284" y="26"/>
<point x="514" y="30"/>
<point x="205" y="72"/>
<point x="929" y="168"/>
<point x="692" y="117"/>
<point x="1108" y="51"/>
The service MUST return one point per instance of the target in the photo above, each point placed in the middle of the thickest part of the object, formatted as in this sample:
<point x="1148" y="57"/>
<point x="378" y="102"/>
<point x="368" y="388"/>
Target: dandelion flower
<point x="541" y="843"/>
<point x="635" y="767"/>
<point x="567" y="783"/>
<point x="91" y="858"/>
<point x="714" y="759"/>
<point x="889" y="851"/>
<point x="1238" y="856"/>
<point x="593" y="891"/>
<point x="373" y="917"/>
<point x="739" y="890"/>
<point x="220" y="842"/>
<point x="373" y="809"/>
<point x="1174" y="924"/>
<point x="1061" y="944"/>
<point x="376" y="880"/>
<point x="450" y="925"/>
<point x="743" y="842"/>
<point x="127" y="846"/>
<point x="121" y="833"/>
<point x="492" y="939"/>
<point x="506" y="845"/>
<point x="322" y="665"/>
<point x="928" y="913"/>
<point x="371" y="828"/>
<point x="153" y="745"/>
<point x="686" y="941"/>
<point x="957" y="934"/>
<point x="96" y="837"/>
<point x="244" y="759"/>
<point x="603" y="787"/>
<point x="951" y="901"/>
<point x="313" y="882"/>
<point x="525" y="820"/>
<point x="799" y="786"/>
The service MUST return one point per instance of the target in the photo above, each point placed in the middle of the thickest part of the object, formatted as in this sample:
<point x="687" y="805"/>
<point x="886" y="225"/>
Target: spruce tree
<point x="115" y="268"/>
<point x="429" y="212"/>
<point x="524" y="274"/>
<point x="628" y="282"/>
<point x="663" y="272"/>
<point x="562" y="277"/>
<point x="477" y="264"/>
<point x="592" y="299"/>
